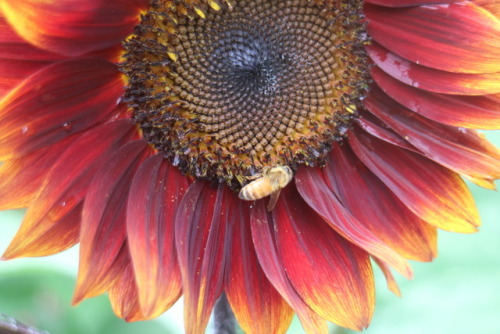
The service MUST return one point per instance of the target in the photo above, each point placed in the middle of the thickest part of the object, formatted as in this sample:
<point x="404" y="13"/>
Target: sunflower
<point x="259" y="149"/>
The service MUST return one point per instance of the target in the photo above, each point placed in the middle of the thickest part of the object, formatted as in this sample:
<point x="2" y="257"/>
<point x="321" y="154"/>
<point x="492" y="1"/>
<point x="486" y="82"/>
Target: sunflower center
<point x="225" y="91"/>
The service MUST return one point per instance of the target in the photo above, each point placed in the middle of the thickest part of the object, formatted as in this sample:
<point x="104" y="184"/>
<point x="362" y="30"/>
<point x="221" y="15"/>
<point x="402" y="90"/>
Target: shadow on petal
<point x="434" y="193"/>
<point x="203" y="231"/>
<point x="103" y="228"/>
<point x="332" y="276"/>
<point x="155" y="194"/>
<point x="258" y="307"/>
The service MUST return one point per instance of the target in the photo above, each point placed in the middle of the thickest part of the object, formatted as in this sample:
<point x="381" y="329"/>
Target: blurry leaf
<point x="42" y="298"/>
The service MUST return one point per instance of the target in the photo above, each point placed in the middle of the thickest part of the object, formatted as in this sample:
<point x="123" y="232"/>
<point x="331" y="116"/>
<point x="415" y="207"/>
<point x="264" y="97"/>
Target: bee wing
<point x="280" y="177"/>
<point x="273" y="198"/>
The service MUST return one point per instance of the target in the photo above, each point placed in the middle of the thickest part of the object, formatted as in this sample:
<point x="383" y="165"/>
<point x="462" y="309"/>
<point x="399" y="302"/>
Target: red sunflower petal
<point x="258" y="307"/>
<point x="46" y="229"/>
<point x="493" y="6"/>
<point x="457" y="37"/>
<point x="375" y="127"/>
<point x="315" y="191"/>
<point x="155" y="194"/>
<point x="434" y="193"/>
<point x="63" y="237"/>
<point x="433" y="80"/>
<point x="73" y="27"/>
<point x="107" y="278"/>
<point x="18" y="59"/>
<point x="459" y="149"/>
<point x="202" y="235"/>
<point x="391" y="282"/>
<point x="103" y="227"/>
<point x="385" y="216"/>
<point x="478" y="112"/>
<point x="56" y="102"/>
<point x="264" y="241"/>
<point x="21" y="179"/>
<point x="124" y="297"/>
<point x="331" y="275"/>
<point x="409" y="3"/>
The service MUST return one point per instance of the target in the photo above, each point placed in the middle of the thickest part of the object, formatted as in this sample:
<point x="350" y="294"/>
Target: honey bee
<point x="268" y="183"/>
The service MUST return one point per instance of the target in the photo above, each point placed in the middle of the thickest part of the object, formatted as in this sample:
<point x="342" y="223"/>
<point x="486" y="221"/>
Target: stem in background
<point x="9" y="325"/>
<point x="224" y="320"/>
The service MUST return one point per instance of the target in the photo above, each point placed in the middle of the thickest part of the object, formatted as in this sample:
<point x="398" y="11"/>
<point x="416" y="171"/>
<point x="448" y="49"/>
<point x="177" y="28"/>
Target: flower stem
<point x="224" y="320"/>
<point x="9" y="325"/>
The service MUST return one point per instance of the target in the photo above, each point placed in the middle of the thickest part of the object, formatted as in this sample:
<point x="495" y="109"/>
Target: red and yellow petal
<point x="18" y="59"/>
<point x="331" y="275"/>
<point x="263" y="237"/>
<point x="203" y="234"/>
<point x="155" y="194"/>
<point x="21" y="178"/>
<point x="54" y="103"/>
<point x="73" y="27"/>
<point x="457" y="37"/>
<point x="313" y="188"/>
<point x="478" y="112"/>
<point x="107" y="278"/>
<point x="409" y="3"/>
<point x="377" y="128"/>
<point x="103" y="227"/>
<point x="430" y="79"/>
<point x="434" y="193"/>
<point x="52" y="222"/>
<point x="493" y="6"/>
<point x="392" y="285"/>
<point x="386" y="216"/>
<point x="459" y="149"/>
<point x="124" y="296"/>
<point x="257" y="305"/>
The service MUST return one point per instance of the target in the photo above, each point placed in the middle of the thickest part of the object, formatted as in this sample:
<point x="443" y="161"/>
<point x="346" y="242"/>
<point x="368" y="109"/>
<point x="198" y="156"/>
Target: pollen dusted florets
<point x="226" y="89"/>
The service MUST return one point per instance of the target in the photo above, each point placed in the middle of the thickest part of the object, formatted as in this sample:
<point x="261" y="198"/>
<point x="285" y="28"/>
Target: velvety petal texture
<point x="447" y="31"/>
<point x="124" y="297"/>
<point x="56" y="102"/>
<point x="315" y="191"/>
<point x="386" y="217"/>
<point x="73" y="27"/>
<point x="103" y="229"/>
<point x="408" y="3"/>
<point x="375" y="127"/>
<point x="21" y="178"/>
<point x="430" y="79"/>
<point x="272" y="265"/>
<point x="392" y="285"/>
<point x="412" y="179"/>
<point x="258" y="307"/>
<point x="155" y="194"/>
<point x="332" y="276"/>
<point x="203" y="230"/>
<point x="478" y="112"/>
<point x="459" y="149"/>
<point x="75" y="152"/>
<point x="19" y="59"/>
<point x="51" y="223"/>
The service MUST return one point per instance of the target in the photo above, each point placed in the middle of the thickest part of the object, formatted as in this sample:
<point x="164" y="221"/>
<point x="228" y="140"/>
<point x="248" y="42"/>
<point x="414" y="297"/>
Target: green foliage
<point x="42" y="297"/>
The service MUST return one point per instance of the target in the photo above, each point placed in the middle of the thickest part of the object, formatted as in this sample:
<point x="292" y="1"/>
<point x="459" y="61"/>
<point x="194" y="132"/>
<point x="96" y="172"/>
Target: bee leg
<point x="255" y="176"/>
<point x="273" y="198"/>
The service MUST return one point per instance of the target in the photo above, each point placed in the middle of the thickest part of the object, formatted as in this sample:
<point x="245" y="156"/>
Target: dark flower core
<point x="224" y="91"/>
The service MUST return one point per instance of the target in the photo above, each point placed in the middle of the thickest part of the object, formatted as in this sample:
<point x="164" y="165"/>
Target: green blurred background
<point x="459" y="293"/>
